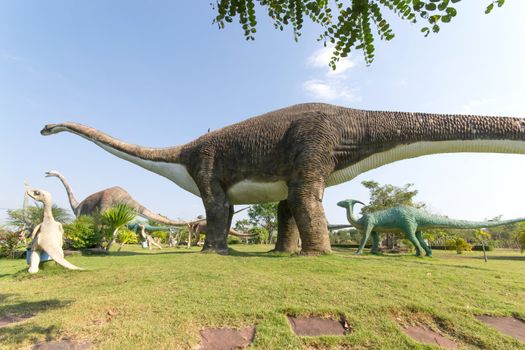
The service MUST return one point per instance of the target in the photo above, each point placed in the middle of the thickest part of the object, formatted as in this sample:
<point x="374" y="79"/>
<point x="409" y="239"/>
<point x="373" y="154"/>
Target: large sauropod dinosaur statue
<point x="46" y="236"/>
<point x="105" y="199"/>
<point x="409" y="221"/>
<point x="292" y="154"/>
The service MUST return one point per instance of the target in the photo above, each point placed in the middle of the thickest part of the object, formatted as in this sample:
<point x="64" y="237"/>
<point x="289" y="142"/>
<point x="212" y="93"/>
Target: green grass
<point x="138" y="299"/>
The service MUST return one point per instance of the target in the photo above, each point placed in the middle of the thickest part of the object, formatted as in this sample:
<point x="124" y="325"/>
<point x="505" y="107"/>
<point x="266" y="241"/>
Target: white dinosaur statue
<point x="46" y="236"/>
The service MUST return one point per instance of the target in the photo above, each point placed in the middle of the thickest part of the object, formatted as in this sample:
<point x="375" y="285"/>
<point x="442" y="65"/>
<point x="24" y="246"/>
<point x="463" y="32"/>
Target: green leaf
<point x="430" y="6"/>
<point x="489" y="8"/>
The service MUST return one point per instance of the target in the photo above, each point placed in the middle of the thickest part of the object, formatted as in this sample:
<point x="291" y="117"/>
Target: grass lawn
<point x="136" y="299"/>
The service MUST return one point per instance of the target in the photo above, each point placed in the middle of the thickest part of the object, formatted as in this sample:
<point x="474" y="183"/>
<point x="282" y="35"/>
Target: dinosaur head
<point x="348" y="203"/>
<point x="38" y="195"/>
<point x="52" y="173"/>
<point x="50" y="129"/>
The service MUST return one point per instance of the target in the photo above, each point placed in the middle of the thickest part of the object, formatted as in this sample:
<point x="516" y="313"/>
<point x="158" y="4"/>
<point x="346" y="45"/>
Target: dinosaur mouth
<point x="48" y="129"/>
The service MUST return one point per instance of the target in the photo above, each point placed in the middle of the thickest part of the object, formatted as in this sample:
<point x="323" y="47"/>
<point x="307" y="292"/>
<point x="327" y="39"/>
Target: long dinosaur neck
<point x="48" y="211"/>
<point x="163" y="161"/>
<point x="351" y="216"/>
<point x="70" y="195"/>
<point x="131" y="152"/>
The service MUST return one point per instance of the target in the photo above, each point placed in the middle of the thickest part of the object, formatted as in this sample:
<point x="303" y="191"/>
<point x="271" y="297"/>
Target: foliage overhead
<point x="346" y="24"/>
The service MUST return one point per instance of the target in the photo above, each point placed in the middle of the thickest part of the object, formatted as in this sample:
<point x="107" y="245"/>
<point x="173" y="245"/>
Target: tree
<point x="483" y="235"/>
<point x="520" y="237"/>
<point x="388" y="196"/>
<point x="115" y="218"/>
<point x="346" y="24"/>
<point x="264" y="215"/>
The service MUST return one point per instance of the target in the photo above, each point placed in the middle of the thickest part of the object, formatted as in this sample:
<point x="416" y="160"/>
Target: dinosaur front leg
<point x="287" y="231"/>
<point x="366" y="235"/>
<point x="217" y="209"/>
<point x="305" y="200"/>
<point x="424" y="244"/>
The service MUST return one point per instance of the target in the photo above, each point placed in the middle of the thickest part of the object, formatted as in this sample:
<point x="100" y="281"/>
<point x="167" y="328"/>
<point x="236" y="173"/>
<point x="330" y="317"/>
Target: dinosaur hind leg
<point x="375" y="242"/>
<point x="34" y="260"/>
<point x="287" y="231"/>
<point x="424" y="244"/>
<point x="410" y="233"/>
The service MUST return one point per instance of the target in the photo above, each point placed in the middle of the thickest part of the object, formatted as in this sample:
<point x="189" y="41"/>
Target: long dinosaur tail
<point x="242" y="234"/>
<point x="148" y="214"/>
<point x="454" y="223"/>
<point x="55" y="253"/>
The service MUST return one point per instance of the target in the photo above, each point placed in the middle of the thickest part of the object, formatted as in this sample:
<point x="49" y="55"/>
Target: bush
<point x="126" y="236"/>
<point x="10" y="243"/>
<point x="462" y="245"/>
<point x="82" y="233"/>
<point x="234" y="240"/>
<point x="450" y="244"/>
<point x="163" y="235"/>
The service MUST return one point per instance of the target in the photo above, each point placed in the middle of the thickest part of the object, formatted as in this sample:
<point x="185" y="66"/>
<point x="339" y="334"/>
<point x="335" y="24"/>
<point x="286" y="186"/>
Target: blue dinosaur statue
<point x="409" y="221"/>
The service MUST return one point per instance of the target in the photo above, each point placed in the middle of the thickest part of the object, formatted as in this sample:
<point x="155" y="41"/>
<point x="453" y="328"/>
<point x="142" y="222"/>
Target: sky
<point x="161" y="74"/>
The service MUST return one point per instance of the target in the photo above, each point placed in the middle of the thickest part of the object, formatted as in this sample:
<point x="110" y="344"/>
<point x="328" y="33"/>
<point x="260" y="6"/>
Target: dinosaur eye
<point x="37" y="193"/>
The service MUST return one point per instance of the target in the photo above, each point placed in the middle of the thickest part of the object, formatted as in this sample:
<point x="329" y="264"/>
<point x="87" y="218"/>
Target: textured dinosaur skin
<point x="292" y="154"/>
<point x="409" y="221"/>
<point x="46" y="236"/>
<point x="105" y="199"/>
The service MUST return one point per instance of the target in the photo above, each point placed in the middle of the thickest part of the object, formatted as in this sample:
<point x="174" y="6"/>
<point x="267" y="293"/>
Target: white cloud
<point x="331" y="85"/>
<point x="321" y="58"/>
<point x="330" y="90"/>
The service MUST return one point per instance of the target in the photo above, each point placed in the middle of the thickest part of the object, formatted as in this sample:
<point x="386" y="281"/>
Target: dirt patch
<point x="226" y="338"/>
<point x="425" y="335"/>
<point x="9" y="319"/>
<point x="507" y="325"/>
<point x="317" y="326"/>
<point x="64" y="344"/>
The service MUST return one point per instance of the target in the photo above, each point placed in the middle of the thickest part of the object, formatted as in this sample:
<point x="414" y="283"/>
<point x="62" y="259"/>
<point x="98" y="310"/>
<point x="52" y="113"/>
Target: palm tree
<point x="115" y="218"/>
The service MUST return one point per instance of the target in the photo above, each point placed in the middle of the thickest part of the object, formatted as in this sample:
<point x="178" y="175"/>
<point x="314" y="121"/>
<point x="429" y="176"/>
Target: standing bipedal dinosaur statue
<point x="105" y="199"/>
<point x="407" y="220"/>
<point x="292" y="154"/>
<point x="46" y="236"/>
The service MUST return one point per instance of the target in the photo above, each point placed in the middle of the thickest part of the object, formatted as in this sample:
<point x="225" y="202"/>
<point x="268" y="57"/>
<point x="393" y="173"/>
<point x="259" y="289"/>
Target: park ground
<point x="137" y="299"/>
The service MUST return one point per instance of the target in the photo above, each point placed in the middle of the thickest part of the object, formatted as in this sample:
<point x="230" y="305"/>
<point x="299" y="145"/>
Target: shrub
<point x="450" y="244"/>
<point x="10" y="243"/>
<point x="82" y="233"/>
<point x="462" y="245"/>
<point x="233" y="240"/>
<point x="163" y="235"/>
<point x="126" y="236"/>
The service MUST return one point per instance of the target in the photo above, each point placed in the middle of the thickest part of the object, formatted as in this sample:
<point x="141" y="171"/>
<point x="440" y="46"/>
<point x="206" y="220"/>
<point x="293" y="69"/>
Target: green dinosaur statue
<point x="409" y="221"/>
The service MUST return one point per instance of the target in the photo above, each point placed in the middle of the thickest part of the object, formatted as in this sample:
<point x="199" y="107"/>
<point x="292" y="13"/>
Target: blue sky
<point x="160" y="74"/>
